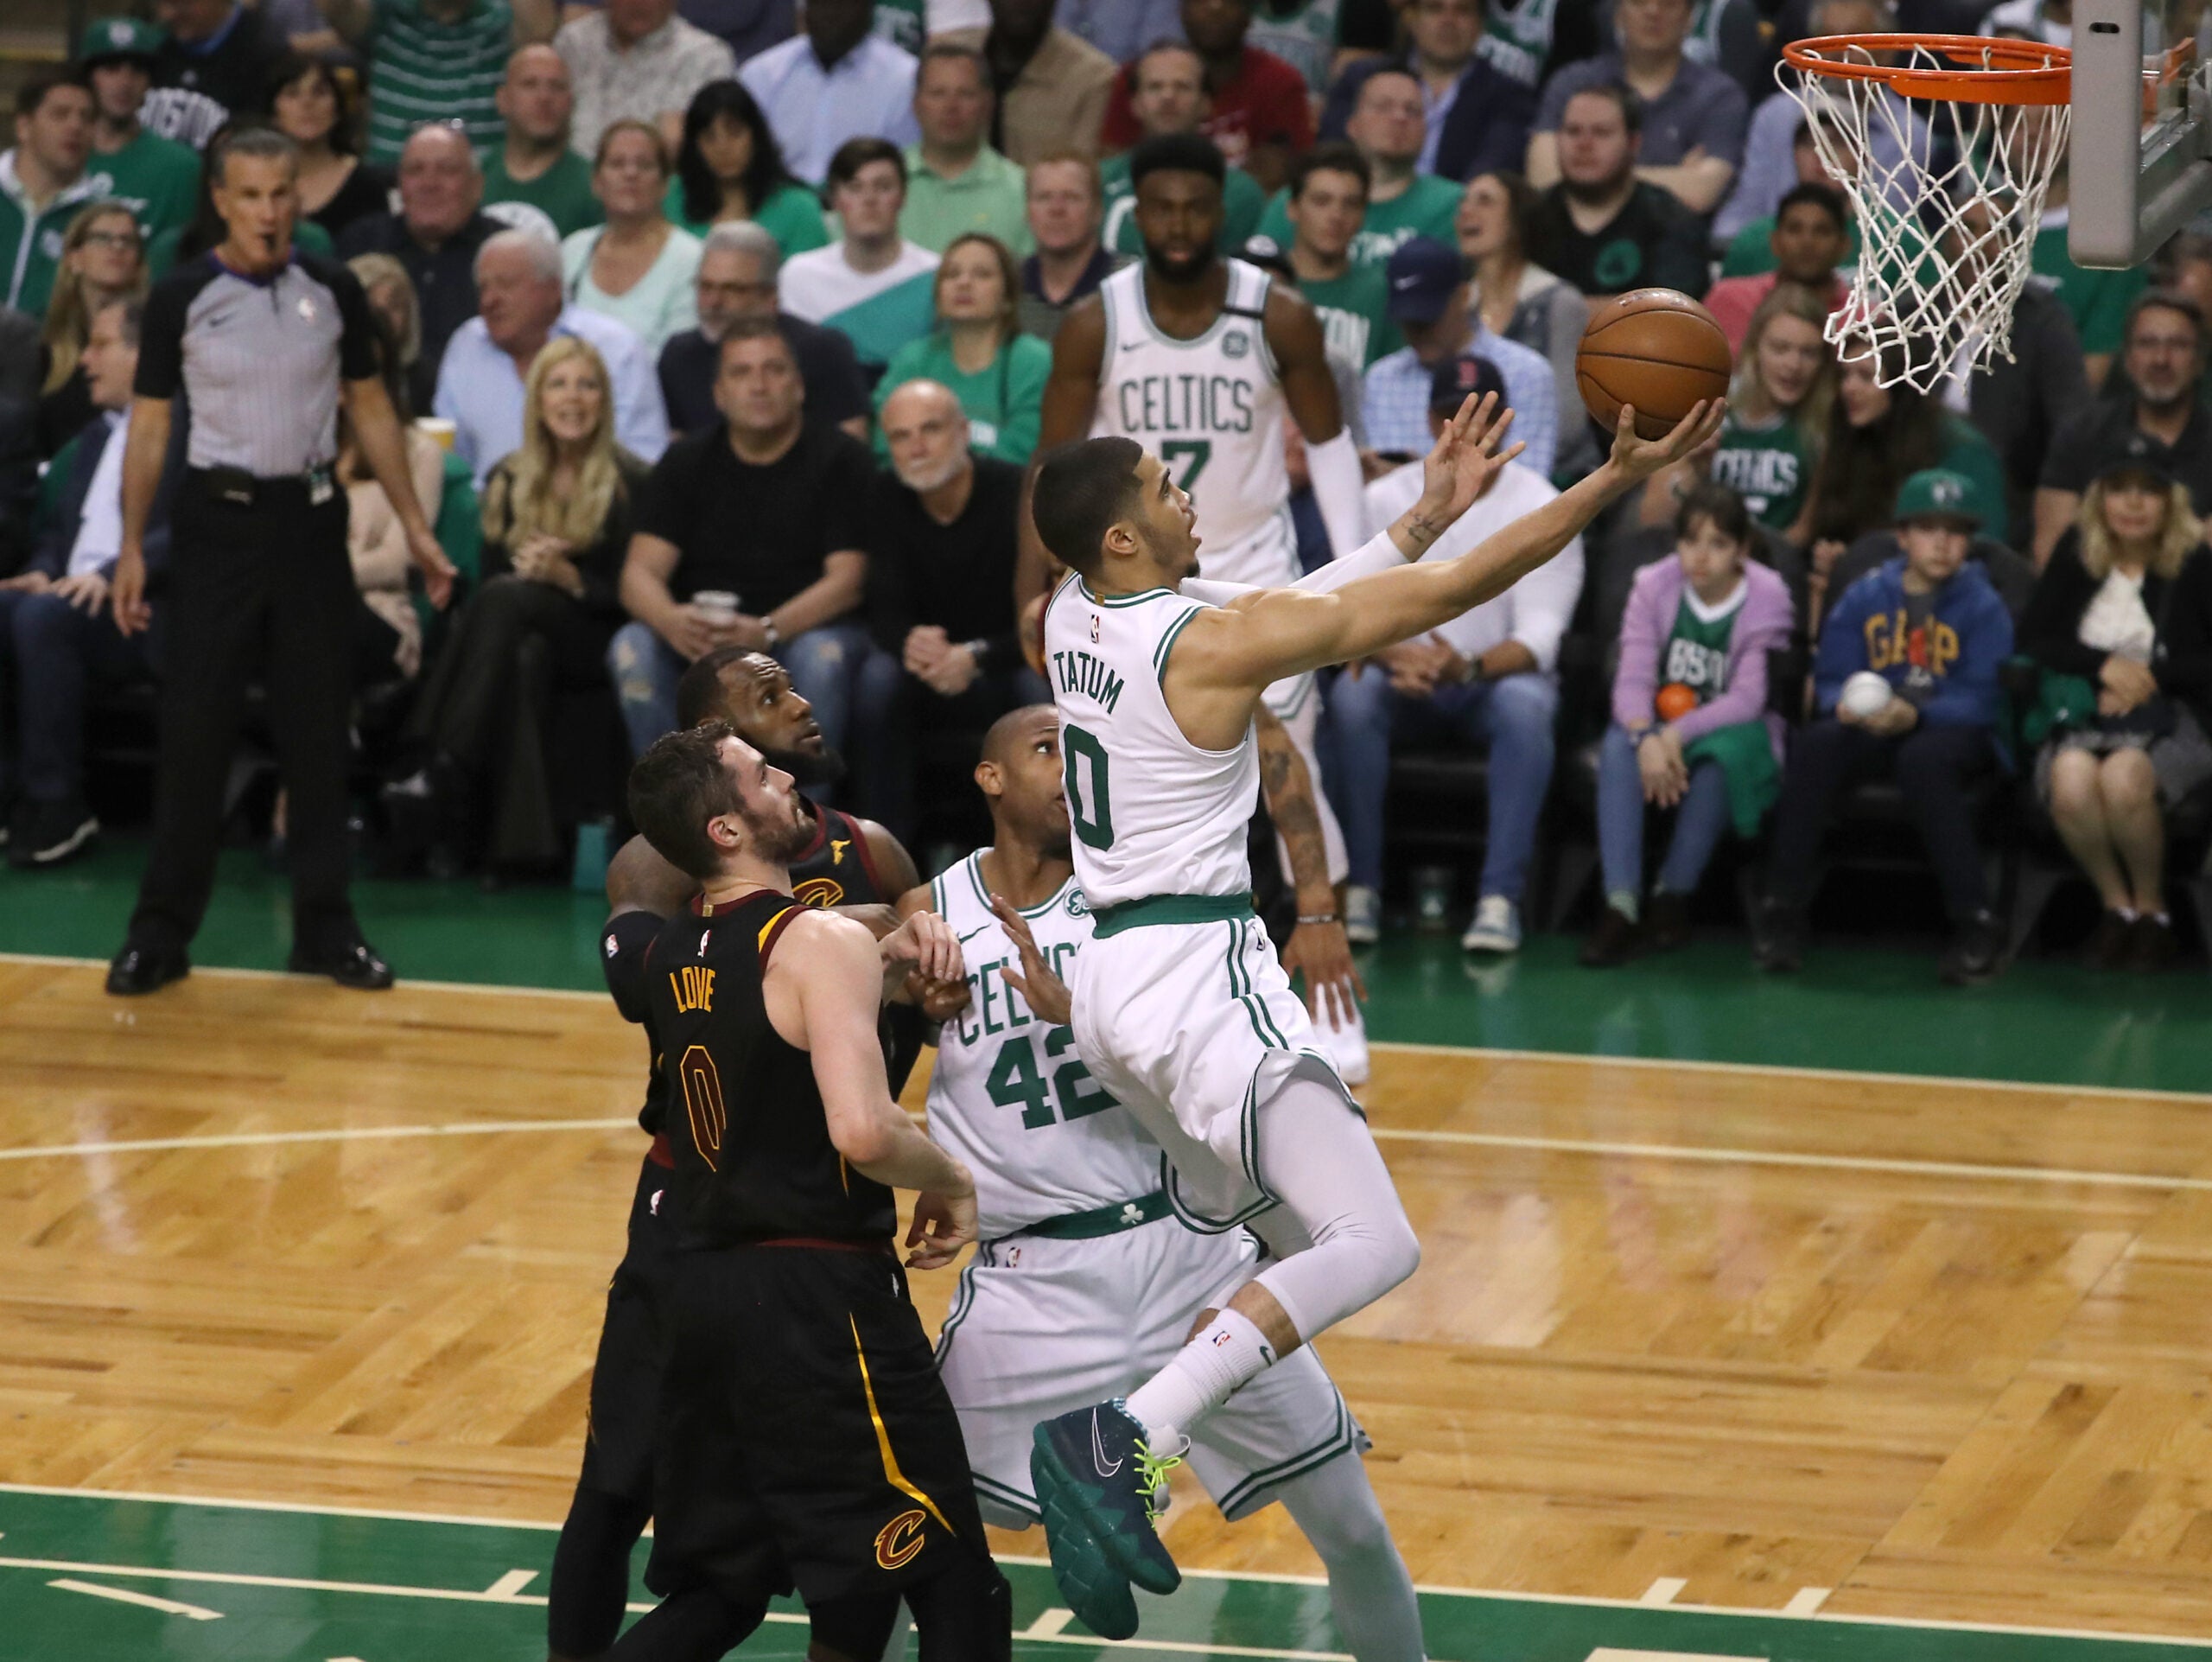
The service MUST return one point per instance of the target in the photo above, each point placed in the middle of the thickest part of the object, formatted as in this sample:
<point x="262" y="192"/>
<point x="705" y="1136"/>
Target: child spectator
<point x="2121" y="622"/>
<point x="1930" y="624"/>
<point x="1691" y="731"/>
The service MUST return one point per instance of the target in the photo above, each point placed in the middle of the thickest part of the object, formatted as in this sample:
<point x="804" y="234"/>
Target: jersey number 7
<point x="1186" y="459"/>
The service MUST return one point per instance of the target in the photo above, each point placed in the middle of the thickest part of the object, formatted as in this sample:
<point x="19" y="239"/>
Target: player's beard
<point x="780" y="839"/>
<point x="1188" y="270"/>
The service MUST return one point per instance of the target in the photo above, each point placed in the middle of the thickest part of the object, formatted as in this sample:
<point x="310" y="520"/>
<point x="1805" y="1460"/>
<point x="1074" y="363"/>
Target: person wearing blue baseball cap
<point x="1430" y="302"/>
<point x="1929" y="624"/>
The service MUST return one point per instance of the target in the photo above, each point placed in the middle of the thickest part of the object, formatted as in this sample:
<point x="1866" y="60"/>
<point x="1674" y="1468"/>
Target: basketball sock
<point x="1318" y="1158"/>
<point x="1625" y="901"/>
<point x="1227" y="1353"/>
<point x="1369" y="1592"/>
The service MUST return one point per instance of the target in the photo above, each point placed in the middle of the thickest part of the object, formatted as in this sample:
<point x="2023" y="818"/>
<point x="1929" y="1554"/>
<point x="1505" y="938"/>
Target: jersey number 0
<point x="1090" y="802"/>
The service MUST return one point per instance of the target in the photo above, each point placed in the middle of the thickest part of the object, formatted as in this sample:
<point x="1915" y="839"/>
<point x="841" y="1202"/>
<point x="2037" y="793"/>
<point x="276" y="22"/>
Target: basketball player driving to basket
<point x="1198" y="358"/>
<point x="1182" y="1012"/>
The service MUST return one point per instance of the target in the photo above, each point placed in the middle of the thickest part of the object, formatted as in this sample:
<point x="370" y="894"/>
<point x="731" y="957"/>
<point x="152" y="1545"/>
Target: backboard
<point x="2141" y="159"/>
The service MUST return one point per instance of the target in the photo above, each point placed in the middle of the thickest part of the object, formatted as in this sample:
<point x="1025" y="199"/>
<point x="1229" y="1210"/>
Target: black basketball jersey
<point x="835" y="870"/>
<point x="746" y="1127"/>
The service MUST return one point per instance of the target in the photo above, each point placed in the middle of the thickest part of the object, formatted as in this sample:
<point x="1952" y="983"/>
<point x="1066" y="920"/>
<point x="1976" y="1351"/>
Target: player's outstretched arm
<point x="822" y="990"/>
<point x="1264" y="636"/>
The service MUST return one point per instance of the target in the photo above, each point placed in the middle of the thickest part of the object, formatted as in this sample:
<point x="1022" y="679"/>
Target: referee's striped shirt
<point x="260" y="359"/>
<point x="423" y="71"/>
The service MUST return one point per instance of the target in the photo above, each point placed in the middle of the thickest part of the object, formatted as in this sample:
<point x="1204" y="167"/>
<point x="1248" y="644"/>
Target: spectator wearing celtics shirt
<point x="1327" y="198"/>
<point x="1778" y="407"/>
<point x="1386" y="132"/>
<point x="1691" y="732"/>
<point x="1601" y="227"/>
<point x="157" y="176"/>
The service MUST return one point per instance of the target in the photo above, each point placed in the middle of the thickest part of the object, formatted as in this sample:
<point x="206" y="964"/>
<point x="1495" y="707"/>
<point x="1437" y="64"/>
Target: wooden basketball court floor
<point x="1892" y="1362"/>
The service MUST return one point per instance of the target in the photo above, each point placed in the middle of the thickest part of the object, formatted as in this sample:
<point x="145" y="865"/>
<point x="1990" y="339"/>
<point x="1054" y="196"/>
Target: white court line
<point x="1817" y="1161"/>
<point x="1665" y="1590"/>
<point x="1787" y="1070"/>
<point x="1805" y="1600"/>
<point x="1496" y="1595"/>
<point x="510" y="1585"/>
<point x="1384" y="1134"/>
<point x="123" y="1595"/>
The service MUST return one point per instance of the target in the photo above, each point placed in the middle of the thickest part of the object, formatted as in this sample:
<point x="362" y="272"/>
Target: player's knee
<point x="1397" y="1250"/>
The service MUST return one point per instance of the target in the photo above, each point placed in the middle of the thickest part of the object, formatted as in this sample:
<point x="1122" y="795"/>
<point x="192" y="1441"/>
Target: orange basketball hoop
<point x="1946" y="146"/>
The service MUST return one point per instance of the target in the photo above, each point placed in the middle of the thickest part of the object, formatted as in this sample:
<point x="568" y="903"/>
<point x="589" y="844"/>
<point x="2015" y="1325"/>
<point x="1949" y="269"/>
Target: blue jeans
<point x="1701" y="820"/>
<point x="1511" y="718"/>
<point x="822" y="663"/>
<point x="52" y="653"/>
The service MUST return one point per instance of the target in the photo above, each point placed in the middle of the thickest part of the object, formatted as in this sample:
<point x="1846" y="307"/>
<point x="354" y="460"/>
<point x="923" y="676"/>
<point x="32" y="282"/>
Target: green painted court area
<point x="1858" y="1008"/>
<point x="103" y="1578"/>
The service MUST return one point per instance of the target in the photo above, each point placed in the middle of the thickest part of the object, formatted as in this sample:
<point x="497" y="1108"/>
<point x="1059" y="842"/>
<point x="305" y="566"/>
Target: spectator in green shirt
<point x="729" y="167"/>
<point x="536" y="167"/>
<point x="954" y="182"/>
<point x="437" y="61"/>
<point x="157" y="176"/>
<point x="978" y="350"/>
<point x="1327" y="200"/>
<point x="1388" y="126"/>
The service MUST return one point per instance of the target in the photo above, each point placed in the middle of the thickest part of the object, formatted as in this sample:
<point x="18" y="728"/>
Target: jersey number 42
<point x="1015" y="1081"/>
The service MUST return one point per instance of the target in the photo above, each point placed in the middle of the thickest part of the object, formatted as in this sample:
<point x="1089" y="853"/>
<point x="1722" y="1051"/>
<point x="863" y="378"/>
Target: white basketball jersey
<point x="1151" y="813"/>
<point x="1009" y="1098"/>
<point x="1212" y="411"/>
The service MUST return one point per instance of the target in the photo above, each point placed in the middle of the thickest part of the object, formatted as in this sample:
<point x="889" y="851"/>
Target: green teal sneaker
<point x="1095" y="1464"/>
<point x="1087" y="1575"/>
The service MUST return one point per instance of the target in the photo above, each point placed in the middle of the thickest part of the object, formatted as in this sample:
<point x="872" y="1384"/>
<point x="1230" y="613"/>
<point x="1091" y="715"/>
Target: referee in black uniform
<point x="264" y="344"/>
<point x="804" y="1437"/>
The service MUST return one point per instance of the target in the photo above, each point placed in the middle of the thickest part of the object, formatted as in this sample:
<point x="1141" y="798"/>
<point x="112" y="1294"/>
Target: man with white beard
<point x="940" y="597"/>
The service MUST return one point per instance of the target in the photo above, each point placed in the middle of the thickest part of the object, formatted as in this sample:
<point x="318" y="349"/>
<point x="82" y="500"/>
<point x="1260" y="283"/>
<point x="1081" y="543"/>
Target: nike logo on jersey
<point x="1098" y="1449"/>
<point x="972" y="934"/>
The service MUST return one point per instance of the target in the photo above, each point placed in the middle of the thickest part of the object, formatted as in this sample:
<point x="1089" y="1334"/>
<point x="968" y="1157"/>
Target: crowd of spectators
<point x="729" y="326"/>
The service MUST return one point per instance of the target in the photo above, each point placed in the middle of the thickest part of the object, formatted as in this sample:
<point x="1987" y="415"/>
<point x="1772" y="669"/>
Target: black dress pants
<point x="256" y="593"/>
<point x="1936" y="767"/>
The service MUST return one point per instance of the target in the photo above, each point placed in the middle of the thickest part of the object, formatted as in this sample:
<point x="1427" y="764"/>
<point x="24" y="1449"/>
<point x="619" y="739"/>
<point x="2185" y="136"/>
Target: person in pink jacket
<point x="1691" y="731"/>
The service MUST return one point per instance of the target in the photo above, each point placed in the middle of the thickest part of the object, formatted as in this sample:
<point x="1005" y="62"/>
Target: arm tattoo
<point x="1289" y="786"/>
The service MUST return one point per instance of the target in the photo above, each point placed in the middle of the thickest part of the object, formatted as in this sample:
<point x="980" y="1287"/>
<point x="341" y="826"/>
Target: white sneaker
<point x="1347" y="1045"/>
<point x="1496" y="927"/>
<point x="1363" y="915"/>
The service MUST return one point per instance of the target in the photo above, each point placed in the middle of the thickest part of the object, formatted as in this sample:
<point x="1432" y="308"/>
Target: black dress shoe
<point x="356" y="965"/>
<point x="137" y="971"/>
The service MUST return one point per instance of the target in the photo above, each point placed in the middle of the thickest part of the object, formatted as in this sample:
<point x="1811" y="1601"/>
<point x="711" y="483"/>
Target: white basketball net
<point x="1948" y="196"/>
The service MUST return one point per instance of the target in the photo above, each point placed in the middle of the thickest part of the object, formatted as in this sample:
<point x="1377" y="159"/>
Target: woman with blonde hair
<point x="638" y="268"/>
<point x="978" y="350"/>
<point x="1769" y="446"/>
<point x="103" y="260"/>
<point x="2121" y="622"/>
<point x="557" y="518"/>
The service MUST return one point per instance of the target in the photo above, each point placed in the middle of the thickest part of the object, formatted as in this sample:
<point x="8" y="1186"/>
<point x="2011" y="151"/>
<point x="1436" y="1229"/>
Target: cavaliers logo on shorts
<point x="898" y="1541"/>
<point x="819" y="892"/>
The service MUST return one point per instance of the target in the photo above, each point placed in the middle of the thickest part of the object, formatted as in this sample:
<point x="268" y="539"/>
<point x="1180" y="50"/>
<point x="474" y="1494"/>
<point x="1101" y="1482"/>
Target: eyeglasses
<point x="113" y="239"/>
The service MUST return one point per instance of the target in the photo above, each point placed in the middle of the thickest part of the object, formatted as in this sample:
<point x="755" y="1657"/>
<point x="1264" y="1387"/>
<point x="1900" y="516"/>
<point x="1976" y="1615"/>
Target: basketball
<point x="1675" y="700"/>
<point x="1653" y="349"/>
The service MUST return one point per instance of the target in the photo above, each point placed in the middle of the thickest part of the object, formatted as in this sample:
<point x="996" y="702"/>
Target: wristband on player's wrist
<point x="1306" y="918"/>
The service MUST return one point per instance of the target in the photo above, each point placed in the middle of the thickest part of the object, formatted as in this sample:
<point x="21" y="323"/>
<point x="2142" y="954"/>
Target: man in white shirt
<point x="637" y="60"/>
<point x="834" y="82"/>
<point x="1487" y="678"/>
<point x="57" y="631"/>
<point x="872" y="285"/>
<point x="519" y="308"/>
